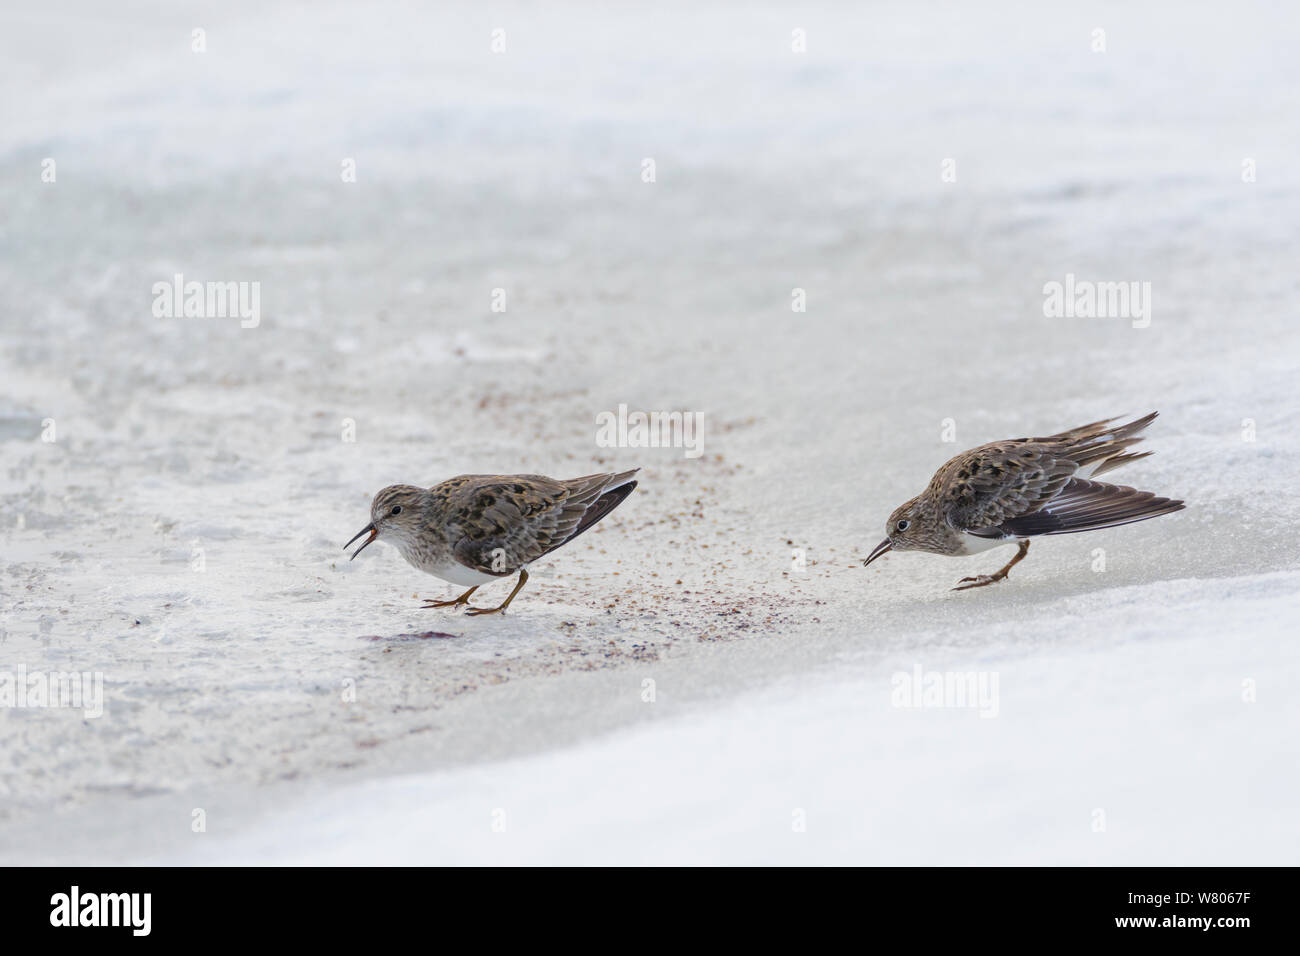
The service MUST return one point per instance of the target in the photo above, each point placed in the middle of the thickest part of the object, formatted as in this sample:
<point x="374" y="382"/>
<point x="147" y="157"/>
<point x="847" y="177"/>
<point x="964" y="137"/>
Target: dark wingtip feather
<point x="607" y="502"/>
<point x="1089" y="506"/>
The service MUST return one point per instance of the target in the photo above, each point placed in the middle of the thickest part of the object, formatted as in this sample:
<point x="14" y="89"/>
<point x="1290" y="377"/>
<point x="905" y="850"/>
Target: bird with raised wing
<point x="1011" y="491"/>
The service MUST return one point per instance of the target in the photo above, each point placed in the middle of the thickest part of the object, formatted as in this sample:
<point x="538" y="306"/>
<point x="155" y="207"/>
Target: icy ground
<point x="676" y="686"/>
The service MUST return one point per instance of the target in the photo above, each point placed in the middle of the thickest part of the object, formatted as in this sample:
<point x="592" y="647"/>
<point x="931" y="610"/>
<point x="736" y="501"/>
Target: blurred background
<point x="649" y="192"/>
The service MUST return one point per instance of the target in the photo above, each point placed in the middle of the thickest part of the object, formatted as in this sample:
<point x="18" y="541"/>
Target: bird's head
<point x="903" y="532"/>
<point x="397" y="514"/>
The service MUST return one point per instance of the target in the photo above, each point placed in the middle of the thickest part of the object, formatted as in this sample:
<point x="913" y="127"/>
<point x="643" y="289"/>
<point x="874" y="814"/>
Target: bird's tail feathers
<point x="600" y="494"/>
<point x="1101" y="445"/>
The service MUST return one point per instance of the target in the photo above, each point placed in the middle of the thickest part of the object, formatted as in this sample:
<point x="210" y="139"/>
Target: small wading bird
<point x="477" y="528"/>
<point x="1011" y="491"/>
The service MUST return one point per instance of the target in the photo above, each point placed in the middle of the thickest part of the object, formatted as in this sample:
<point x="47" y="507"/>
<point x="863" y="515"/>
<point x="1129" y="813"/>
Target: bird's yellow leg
<point x="523" y="579"/>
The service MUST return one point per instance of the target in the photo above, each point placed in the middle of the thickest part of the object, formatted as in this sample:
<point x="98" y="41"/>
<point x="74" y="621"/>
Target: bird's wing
<point x="985" y="487"/>
<point x="1088" y="505"/>
<point x="499" y="523"/>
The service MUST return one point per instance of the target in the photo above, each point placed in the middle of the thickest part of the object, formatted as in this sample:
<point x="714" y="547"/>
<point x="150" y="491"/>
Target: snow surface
<point x="1145" y="713"/>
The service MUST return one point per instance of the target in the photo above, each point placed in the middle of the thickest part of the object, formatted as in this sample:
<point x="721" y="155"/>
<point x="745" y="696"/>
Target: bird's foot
<point x="984" y="580"/>
<point x="978" y="581"/>
<point x="476" y="611"/>
<point x="456" y="602"/>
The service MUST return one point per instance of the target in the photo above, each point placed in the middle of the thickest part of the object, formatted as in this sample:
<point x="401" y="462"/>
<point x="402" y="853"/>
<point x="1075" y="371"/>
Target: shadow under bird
<point x="474" y="529"/>
<point x="1014" y="490"/>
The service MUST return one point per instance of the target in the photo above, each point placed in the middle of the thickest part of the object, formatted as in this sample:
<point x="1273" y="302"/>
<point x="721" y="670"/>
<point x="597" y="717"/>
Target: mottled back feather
<point x="987" y="488"/>
<point x="499" y="523"/>
<point x="988" y="485"/>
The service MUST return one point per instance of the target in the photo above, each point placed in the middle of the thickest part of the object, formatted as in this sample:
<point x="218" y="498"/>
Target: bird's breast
<point x="440" y="563"/>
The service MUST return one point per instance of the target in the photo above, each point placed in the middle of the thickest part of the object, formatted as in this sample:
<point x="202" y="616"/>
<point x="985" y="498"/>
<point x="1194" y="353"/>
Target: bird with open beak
<point x="474" y="529"/>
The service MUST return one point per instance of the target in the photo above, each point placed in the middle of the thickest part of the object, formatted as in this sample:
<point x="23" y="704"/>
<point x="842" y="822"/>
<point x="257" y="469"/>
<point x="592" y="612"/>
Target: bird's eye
<point x="397" y="510"/>
<point x="903" y="525"/>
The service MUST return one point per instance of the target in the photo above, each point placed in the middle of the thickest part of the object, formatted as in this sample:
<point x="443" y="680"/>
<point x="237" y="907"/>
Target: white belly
<point x="443" y="565"/>
<point x="457" y="573"/>
<point x="974" y="544"/>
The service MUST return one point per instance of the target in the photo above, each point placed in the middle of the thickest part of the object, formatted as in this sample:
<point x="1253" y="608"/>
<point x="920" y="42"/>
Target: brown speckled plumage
<point x="1012" y="490"/>
<point x="473" y="528"/>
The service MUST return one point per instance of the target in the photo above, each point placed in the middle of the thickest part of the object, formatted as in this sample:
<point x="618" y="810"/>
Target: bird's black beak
<point x="368" y="529"/>
<point x="877" y="552"/>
